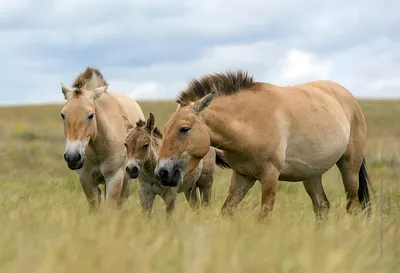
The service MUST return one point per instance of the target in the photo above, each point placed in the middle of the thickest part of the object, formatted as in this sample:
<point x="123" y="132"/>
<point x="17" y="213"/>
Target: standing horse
<point x="143" y="142"/>
<point x="95" y="132"/>
<point x="269" y="133"/>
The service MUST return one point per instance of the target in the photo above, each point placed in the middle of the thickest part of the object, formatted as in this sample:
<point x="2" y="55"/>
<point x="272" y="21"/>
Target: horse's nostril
<point x="135" y="169"/>
<point x="164" y="174"/>
<point x="73" y="158"/>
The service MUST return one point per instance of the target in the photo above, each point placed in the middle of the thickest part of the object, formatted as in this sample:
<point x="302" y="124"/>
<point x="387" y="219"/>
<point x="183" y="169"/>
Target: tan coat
<point x="270" y="133"/>
<point x="95" y="132"/>
<point x="143" y="144"/>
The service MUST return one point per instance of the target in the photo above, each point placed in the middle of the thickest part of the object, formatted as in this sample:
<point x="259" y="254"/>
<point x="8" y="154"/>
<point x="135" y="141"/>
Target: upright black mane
<point x="90" y="78"/>
<point x="224" y="84"/>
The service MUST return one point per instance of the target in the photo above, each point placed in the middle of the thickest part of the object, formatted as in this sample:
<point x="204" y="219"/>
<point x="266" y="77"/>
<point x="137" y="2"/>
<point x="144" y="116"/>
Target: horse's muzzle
<point x="74" y="161"/>
<point x="169" y="177"/>
<point x="132" y="171"/>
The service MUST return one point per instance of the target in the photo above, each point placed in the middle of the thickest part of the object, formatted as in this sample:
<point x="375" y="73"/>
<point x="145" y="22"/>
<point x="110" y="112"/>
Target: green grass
<point x="46" y="227"/>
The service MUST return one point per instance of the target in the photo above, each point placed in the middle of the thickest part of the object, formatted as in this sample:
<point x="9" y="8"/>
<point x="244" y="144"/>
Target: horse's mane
<point x="89" y="79"/>
<point x="224" y="84"/>
<point x="156" y="132"/>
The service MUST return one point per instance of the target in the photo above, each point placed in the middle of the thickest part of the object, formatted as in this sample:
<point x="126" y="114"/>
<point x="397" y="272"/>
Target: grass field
<point x="45" y="225"/>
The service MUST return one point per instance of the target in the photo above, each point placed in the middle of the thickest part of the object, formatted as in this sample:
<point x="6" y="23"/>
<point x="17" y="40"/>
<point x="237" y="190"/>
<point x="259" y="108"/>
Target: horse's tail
<point x="363" y="191"/>
<point x="220" y="159"/>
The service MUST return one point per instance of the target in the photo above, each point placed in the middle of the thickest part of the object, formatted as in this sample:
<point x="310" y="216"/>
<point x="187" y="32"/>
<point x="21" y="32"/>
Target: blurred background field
<point x="46" y="227"/>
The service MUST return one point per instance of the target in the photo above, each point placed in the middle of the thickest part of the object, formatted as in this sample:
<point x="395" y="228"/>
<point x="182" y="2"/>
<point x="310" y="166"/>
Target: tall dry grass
<point x="46" y="227"/>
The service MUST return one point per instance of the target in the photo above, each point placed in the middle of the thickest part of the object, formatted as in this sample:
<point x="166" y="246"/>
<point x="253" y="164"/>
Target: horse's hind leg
<point x="318" y="197"/>
<point x="349" y="166"/>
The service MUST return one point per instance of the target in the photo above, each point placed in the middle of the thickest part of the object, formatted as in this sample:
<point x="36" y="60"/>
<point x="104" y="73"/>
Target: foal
<point x="143" y="144"/>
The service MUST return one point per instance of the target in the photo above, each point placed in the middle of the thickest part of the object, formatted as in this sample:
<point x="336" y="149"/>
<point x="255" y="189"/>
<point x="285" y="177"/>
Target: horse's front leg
<point x="169" y="197"/>
<point x="192" y="198"/>
<point x="239" y="187"/>
<point x="126" y="189"/>
<point x="91" y="190"/>
<point x="147" y="196"/>
<point x="114" y="183"/>
<point x="269" y="186"/>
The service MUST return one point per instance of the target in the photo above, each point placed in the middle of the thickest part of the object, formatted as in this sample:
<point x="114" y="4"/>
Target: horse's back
<point x="130" y="107"/>
<point x="336" y="92"/>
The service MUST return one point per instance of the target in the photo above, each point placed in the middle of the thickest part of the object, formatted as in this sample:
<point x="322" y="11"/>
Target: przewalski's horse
<point x="143" y="143"/>
<point x="95" y="132"/>
<point x="269" y="133"/>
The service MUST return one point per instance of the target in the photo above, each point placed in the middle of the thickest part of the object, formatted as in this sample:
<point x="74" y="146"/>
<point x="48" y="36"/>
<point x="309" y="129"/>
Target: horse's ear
<point x="96" y="93"/>
<point x="202" y="104"/>
<point x="65" y="90"/>
<point x="150" y="123"/>
<point x="127" y="123"/>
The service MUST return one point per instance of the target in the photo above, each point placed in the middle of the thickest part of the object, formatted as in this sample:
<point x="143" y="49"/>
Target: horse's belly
<point x="312" y="157"/>
<point x="297" y="170"/>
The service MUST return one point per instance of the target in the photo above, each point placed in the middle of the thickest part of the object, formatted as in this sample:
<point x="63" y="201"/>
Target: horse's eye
<point x="62" y="116"/>
<point x="126" y="145"/>
<point x="91" y="116"/>
<point x="146" y="145"/>
<point x="184" y="129"/>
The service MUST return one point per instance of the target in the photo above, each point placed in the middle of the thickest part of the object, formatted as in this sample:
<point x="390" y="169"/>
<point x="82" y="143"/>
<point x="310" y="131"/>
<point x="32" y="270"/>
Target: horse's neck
<point x="221" y="132"/>
<point x="105" y="107"/>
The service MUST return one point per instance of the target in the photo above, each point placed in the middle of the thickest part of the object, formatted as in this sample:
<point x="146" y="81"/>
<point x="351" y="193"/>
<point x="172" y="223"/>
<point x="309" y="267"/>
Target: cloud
<point x="137" y="90"/>
<point x="150" y="49"/>
<point x="300" y="66"/>
<point x="9" y="6"/>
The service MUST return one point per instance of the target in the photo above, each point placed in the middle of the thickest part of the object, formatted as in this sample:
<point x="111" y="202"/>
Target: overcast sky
<point x="150" y="49"/>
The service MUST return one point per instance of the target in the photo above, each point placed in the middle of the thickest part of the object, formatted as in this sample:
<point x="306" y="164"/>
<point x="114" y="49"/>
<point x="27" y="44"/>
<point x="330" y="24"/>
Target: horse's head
<point x="79" y="116"/>
<point x="186" y="142"/>
<point x="141" y="144"/>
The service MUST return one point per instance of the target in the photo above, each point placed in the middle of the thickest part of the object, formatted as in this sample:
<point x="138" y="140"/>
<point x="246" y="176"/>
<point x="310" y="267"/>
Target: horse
<point x="269" y="133"/>
<point x="95" y="136"/>
<point x="142" y="144"/>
